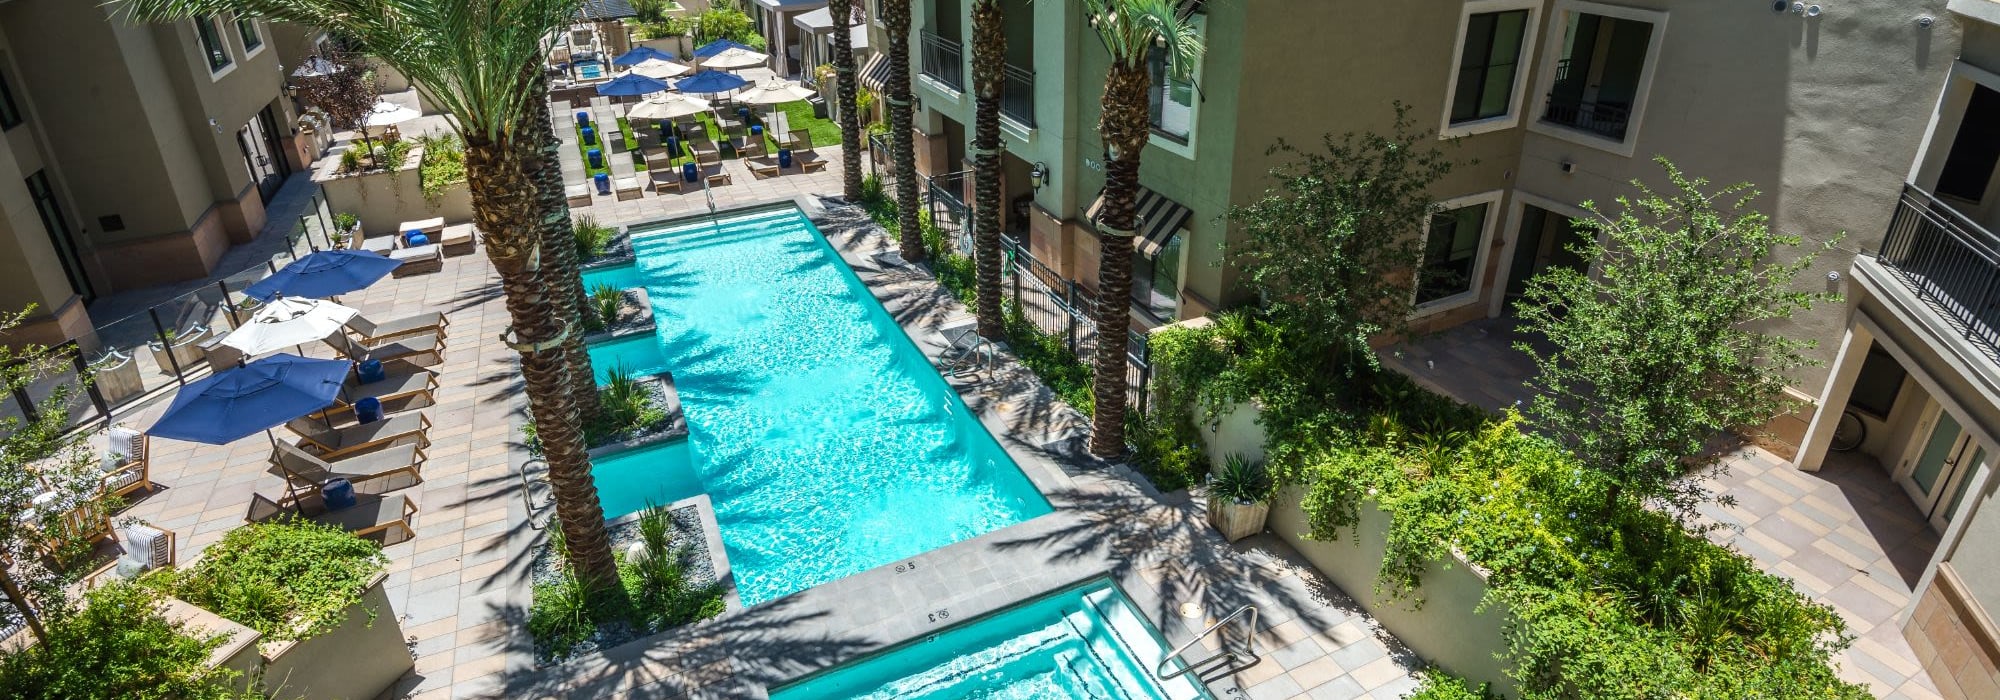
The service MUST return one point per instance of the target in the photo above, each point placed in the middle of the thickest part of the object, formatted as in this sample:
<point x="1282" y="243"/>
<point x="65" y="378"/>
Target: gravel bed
<point x="688" y="537"/>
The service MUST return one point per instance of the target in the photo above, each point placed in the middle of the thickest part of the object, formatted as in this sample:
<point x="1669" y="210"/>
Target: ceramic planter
<point x="186" y="350"/>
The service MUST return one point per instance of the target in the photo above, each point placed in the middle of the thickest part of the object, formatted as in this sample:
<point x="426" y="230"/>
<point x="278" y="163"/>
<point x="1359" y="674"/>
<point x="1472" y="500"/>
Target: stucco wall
<point x="355" y="661"/>
<point x="1823" y="114"/>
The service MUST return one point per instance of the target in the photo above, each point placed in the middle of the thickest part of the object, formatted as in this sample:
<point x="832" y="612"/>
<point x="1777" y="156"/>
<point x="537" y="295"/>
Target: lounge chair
<point x="124" y="464"/>
<point x="714" y="174"/>
<point x="627" y="188"/>
<point x="388" y="516"/>
<point x="381" y="471"/>
<point x="763" y="166"/>
<point x="411" y="349"/>
<point x="667" y="179"/>
<point x="459" y="239"/>
<point x="746" y="145"/>
<point x="370" y="333"/>
<point x="400" y="391"/>
<point x="703" y="150"/>
<point x="808" y="161"/>
<point x="384" y="246"/>
<point x="429" y="227"/>
<point x="418" y="260"/>
<point x="334" y="443"/>
<point x="578" y="194"/>
<point x="657" y="159"/>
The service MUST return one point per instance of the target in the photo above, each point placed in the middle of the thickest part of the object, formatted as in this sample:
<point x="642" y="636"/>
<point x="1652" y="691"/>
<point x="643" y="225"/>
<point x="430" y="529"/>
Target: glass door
<point x="1948" y="459"/>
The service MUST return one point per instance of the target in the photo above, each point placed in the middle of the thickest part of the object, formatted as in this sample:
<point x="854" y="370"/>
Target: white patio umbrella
<point x="385" y="113"/>
<point x="668" y="106"/>
<point x="288" y="321"/>
<point x="757" y="75"/>
<point x="660" y="68"/>
<point x="774" y="92"/>
<point x="734" y="57"/>
<point x="315" y="67"/>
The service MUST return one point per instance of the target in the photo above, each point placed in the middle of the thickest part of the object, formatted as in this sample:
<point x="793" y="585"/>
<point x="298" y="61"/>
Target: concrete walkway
<point x="1844" y="534"/>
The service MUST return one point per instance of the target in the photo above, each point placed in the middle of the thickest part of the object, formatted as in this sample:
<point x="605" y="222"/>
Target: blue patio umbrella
<point x="710" y="82"/>
<point x="258" y="396"/>
<point x="632" y="84"/>
<point x="718" y="46"/>
<point x="639" y="55"/>
<point x="323" y="274"/>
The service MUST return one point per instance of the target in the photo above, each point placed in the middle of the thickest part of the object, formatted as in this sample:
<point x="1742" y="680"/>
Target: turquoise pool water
<point x="590" y="71"/>
<point x="826" y="441"/>
<point x="1084" y="643"/>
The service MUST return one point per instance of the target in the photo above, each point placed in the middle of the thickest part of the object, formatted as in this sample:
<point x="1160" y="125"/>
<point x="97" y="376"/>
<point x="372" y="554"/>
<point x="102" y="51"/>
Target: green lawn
<point x="825" y="132"/>
<point x="631" y="146"/>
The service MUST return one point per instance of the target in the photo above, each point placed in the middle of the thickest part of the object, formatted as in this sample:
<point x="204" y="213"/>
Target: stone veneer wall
<point x="1955" y="639"/>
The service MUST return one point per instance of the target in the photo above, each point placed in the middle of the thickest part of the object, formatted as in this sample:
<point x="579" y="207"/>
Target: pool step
<point x="756" y="222"/>
<point x="692" y="240"/>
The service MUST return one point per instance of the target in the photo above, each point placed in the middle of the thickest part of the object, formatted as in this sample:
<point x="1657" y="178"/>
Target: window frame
<point x="1481" y="257"/>
<point x="1173" y="144"/>
<point x="1178" y="244"/>
<point x="1523" y="65"/>
<point x="208" y="53"/>
<point x="10" y="111"/>
<point x="1545" y="73"/>
<point x="246" y="28"/>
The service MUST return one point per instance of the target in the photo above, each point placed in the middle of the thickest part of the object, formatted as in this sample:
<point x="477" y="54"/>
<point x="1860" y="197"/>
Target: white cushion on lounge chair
<point x="430" y="225"/>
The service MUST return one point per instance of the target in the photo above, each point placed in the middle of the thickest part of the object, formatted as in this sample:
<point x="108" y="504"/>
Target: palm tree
<point x="477" y="59"/>
<point x="989" y="57"/>
<point x="896" y="19"/>
<point x="560" y="263"/>
<point x="1131" y="31"/>
<point x="845" y="94"/>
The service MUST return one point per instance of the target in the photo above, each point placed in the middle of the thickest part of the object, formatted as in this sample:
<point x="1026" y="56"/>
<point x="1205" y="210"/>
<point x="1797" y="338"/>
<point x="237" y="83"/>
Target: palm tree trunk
<point x="559" y="254"/>
<point x="1124" y="125"/>
<point x="845" y="83"/>
<point x="989" y="57"/>
<point x="505" y="203"/>
<point x="896" y="18"/>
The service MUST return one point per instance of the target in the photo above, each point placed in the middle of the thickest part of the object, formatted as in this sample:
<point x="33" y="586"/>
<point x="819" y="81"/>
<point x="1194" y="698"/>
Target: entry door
<point x="1945" y="463"/>
<point x="250" y="138"/>
<point x="1545" y="240"/>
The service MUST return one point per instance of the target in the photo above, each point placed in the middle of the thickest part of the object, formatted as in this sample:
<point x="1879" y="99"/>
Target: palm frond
<point x="1131" y="29"/>
<point x="472" y="58"/>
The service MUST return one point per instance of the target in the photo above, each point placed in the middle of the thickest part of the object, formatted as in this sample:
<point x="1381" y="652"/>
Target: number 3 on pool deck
<point x="940" y="616"/>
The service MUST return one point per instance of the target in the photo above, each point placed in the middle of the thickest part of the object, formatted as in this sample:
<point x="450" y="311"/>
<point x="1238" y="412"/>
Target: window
<point x="1171" y="100"/>
<point x="10" y="113"/>
<point x="247" y="27"/>
<point x="58" y="228"/>
<point x="211" y="44"/>
<point x="1451" y="251"/>
<point x="1876" y="387"/>
<point x="1488" y="65"/>
<point x="1156" y="281"/>
<point x="1968" y="169"/>
<point x="1596" y="75"/>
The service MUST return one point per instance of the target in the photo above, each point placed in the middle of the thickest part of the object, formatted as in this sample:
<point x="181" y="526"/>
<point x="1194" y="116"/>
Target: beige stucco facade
<point x="152" y="157"/>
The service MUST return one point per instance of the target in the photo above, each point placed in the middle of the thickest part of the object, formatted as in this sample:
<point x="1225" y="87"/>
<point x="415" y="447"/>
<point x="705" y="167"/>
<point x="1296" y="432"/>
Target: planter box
<point x="357" y="660"/>
<point x="1237" y="520"/>
<point x="186" y="350"/>
<point x="117" y="377"/>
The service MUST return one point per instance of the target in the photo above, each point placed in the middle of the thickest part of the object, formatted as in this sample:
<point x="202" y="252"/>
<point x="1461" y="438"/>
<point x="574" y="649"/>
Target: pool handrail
<point x="1250" y="656"/>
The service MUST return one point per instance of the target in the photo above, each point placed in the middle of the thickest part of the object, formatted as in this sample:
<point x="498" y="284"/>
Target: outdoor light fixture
<point x="1038" y="175"/>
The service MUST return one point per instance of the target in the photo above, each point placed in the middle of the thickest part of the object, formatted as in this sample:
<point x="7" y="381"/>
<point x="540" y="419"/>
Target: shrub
<point x="1239" y="480"/>
<point x="443" y="164"/>
<point x="350" y="160"/>
<point x="606" y="301"/>
<point x="345" y="222"/>
<point x="118" y="645"/>
<point x="591" y="237"/>
<point x="287" y="580"/>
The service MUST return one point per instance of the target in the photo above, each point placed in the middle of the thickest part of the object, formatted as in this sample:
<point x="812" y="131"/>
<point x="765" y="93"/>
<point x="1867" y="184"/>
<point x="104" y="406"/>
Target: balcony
<point x="1606" y="120"/>
<point x="1017" y="95"/>
<point x="944" y="60"/>
<point x="1950" y="263"/>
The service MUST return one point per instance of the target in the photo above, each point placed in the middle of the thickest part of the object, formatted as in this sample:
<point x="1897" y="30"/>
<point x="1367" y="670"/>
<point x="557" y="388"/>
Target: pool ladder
<point x="968" y="349"/>
<point x="1247" y="658"/>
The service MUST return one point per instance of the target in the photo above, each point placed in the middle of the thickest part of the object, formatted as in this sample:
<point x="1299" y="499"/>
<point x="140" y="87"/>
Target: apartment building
<point x="135" y="154"/>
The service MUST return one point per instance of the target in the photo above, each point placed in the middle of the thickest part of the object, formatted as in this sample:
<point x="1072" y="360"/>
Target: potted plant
<point x="346" y="228"/>
<point x="185" y="348"/>
<point x="1239" y="495"/>
<point x="117" y="376"/>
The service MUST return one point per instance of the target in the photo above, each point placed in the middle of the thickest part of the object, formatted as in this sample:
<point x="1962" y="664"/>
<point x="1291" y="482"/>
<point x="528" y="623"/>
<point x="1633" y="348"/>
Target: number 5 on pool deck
<point x="906" y="567"/>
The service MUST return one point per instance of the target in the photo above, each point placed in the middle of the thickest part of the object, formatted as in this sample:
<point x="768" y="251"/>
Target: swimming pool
<point x="590" y="71"/>
<point x="825" y="440"/>
<point x="1086" y="643"/>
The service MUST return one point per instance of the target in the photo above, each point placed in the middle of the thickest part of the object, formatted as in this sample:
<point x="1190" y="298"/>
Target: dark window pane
<point x="10" y="113"/>
<point x="1876" y="387"/>
<point x="211" y="44"/>
<point x="1486" y="65"/>
<point x="248" y="28"/>
<point x="1451" y="248"/>
<point x="1974" y="153"/>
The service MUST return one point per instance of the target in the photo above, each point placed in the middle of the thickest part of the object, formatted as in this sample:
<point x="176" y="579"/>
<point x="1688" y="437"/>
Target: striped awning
<point x="1159" y="218"/>
<point x="876" y="73"/>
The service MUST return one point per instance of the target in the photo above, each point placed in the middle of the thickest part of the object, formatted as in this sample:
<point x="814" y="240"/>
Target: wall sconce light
<point x="212" y="124"/>
<point x="1038" y="175"/>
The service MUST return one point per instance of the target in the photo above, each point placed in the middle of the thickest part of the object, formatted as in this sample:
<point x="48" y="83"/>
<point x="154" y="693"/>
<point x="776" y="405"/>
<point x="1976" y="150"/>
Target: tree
<point x="902" y="135"/>
<point x="560" y="257"/>
<point x="1660" y="350"/>
<point x="725" y="21"/>
<point x="1129" y="30"/>
<point x="845" y="94"/>
<point x="345" y="89"/>
<point x="1333" y="245"/>
<point x="38" y="462"/>
<point x="478" y="60"/>
<point x="989" y="61"/>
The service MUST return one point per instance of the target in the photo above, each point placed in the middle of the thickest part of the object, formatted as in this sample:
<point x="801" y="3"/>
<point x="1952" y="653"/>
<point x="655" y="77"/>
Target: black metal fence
<point x="1950" y="262"/>
<point x="162" y="344"/>
<point x="1017" y="94"/>
<point x="1607" y="120"/>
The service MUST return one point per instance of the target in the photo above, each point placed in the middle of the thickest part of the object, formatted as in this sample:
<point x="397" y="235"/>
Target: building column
<point x="1854" y="345"/>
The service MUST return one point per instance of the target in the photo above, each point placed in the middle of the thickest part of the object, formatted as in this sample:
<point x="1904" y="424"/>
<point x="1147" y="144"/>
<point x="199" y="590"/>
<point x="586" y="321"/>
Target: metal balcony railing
<point x="1017" y="94"/>
<point x="1607" y="120"/>
<point x="1950" y="262"/>
<point x="944" y="60"/>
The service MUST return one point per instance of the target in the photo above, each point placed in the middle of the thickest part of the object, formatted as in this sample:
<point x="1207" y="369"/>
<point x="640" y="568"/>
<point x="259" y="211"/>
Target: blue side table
<point x="689" y="172"/>
<point x="784" y="157"/>
<point x="582" y="117"/>
<point x="596" y="158"/>
<point x="603" y="183"/>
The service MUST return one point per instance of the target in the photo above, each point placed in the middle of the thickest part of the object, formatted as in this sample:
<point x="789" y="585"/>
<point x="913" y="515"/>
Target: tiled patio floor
<point x="1845" y="534"/>
<point x="460" y="587"/>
